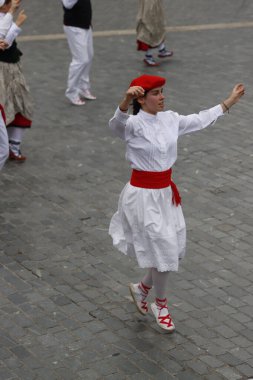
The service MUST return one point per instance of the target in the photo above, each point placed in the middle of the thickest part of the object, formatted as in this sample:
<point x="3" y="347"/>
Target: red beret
<point x="148" y="82"/>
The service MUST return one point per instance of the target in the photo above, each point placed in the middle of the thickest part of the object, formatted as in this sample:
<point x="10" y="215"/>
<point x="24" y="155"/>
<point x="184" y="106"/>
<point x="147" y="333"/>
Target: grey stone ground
<point x="65" y="311"/>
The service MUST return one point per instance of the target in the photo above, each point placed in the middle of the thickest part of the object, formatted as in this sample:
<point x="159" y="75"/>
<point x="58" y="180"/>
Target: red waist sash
<point x="155" y="180"/>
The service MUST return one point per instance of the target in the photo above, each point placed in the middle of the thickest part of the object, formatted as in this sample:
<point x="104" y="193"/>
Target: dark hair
<point x="136" y="105"/>
<point x="7" y="2"/>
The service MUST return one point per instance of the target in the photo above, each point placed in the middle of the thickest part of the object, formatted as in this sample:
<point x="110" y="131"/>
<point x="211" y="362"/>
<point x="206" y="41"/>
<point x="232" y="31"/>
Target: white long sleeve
<point x="12" y="33"/>
<point x="69" y="3"/>
<point x="203" y="119"/>
<point x="118" y="123"/>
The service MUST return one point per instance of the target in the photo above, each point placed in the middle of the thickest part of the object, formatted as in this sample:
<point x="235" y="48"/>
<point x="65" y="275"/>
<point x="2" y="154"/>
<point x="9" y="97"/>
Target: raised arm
<point x="203" y="119"/>
<point x="118" y="123"/>
<point x="15" y="29"/>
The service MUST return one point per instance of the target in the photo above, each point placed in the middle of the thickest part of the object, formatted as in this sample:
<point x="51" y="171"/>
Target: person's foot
<point x="164" y="53"/>
<point x="149" y="60"/>
<point x="87" y="95"/>
<point x="77" y="102"/>
<point x="138" y="298"/>
<point x="162" y="315"/>
<point x="18" y="157"/>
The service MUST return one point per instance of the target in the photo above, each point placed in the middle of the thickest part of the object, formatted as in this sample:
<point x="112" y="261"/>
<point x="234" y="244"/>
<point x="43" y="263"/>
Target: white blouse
<point x="13" y="31"/>
<point x="5" y="23"/>
<point x="151" y="140"/>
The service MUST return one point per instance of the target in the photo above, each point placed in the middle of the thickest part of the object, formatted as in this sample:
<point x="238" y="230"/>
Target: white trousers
<point x="4" y="143"/>
<point x="80" y="43"/>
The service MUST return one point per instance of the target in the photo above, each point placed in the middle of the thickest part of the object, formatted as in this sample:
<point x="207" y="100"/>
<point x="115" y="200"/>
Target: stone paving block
<point x="5" y="374"/>
<point x="242" y="342"/>
<point x="6" y="341"/>
<point x="229" y="373"/>
<point x="162" y="375"/>
<point x="89" y="373"/>
<point x="247" y="333"/>
<point x="116" y="376"/>
<point x="141" y="376"/>
<point x="214" y="376"/>
<point x="211" y="361"/>
<point x="20" y="352"/>
<point x="225" y="331"/>
<point x="198" y="367"/>
<point x="188" y="375"/>
<point x="230" y="359"/>
<point x="45" y="373"/>
<point x="24" y="373"/>
<point x="4" y="353"/>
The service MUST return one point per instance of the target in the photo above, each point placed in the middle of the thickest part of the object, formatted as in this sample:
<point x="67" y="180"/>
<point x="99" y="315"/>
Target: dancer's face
<point x="153" y="101"/>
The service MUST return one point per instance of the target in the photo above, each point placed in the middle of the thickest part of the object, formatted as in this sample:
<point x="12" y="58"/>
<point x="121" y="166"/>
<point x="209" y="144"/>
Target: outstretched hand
<point x="21" y="18"/>
<point x="237" y="92"/>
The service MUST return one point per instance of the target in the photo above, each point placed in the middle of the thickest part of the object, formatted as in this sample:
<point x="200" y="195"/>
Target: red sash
<point x="155" y="180"/>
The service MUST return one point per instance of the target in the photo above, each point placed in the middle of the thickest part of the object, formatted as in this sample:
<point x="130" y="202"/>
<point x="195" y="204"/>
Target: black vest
<point x="79" y="16"/>
<point x="10" y="55"/>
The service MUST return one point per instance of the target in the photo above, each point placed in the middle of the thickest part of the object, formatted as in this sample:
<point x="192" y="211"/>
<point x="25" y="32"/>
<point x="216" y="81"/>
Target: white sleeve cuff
<point x="121" y="116"/>
<point x="218" y="111"/>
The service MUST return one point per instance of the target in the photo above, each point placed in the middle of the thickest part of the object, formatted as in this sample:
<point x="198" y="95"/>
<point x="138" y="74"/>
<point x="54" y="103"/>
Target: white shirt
<point x="151" y="140"/>
<point x="13" y="31"/>
<point x="69" y="3"/>
<point x="5" y="23"/>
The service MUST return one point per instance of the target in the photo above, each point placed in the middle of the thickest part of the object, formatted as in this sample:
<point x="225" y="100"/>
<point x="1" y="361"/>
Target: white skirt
<point x="149" y="227"/>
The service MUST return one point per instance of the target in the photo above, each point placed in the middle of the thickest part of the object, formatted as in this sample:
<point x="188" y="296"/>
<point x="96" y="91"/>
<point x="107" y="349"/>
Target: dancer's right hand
<point x="21" y="18"/>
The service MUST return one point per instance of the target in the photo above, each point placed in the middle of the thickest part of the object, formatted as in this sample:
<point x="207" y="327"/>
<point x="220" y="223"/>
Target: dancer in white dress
<point x="149" y="224"/>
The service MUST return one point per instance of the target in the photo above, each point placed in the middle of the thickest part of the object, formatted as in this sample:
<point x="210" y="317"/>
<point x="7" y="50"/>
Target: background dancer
<point x="14" y="93"/>
<point x="151" y="30"/>
<point x="78" y="29"/>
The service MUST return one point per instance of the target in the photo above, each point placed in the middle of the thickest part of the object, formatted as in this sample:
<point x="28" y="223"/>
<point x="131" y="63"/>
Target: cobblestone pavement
<point x="65" y="311"/>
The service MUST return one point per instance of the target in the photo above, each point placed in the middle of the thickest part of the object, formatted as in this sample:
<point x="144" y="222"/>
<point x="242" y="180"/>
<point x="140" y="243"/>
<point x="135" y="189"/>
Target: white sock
<point x="161" y="46"/>
<point x="147" y="279"/>
<point x="15" y="135"/>
<point x="160" y="280"/>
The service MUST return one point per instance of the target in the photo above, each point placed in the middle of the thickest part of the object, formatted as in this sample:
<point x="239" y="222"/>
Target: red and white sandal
<point x="162" y="315"/>
<point x="138" y="298"/>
